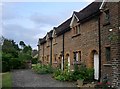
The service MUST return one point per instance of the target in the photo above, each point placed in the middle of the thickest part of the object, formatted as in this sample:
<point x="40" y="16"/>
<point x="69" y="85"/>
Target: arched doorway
<point x="95" y="63"/>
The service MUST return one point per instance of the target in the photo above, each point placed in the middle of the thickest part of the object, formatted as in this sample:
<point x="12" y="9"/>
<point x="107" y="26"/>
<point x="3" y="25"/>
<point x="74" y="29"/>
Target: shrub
<point x="42" y="69"/>
<point x="79" y="73"/>
<point x="34" y="60"/>
<point x="5" y="62"/>
<point x="63" y="75"/>
<point x="15" y="63"/>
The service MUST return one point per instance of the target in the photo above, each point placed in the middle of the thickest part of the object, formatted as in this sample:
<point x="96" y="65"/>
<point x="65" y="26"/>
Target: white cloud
<point x="39" y="18"/>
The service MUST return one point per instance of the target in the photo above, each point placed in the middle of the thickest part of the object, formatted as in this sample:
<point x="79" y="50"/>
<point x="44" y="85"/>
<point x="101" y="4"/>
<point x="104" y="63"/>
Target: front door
<point x="96" y="66"/>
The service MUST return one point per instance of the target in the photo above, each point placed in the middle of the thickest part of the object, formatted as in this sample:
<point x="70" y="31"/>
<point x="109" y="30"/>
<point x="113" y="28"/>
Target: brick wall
<point x="108" y="39"/>
<point x="88" y="41"/>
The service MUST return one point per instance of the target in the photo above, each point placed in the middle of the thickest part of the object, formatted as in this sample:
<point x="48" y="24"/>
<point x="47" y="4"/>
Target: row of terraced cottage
<point x="90" y="36"/>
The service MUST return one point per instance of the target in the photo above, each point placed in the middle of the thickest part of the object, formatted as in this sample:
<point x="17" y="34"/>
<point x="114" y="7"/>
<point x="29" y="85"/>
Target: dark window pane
<point x="108" y="53"/>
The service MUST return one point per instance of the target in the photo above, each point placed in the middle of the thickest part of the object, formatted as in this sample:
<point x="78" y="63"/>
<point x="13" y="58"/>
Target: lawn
<point x="6" y="79"/>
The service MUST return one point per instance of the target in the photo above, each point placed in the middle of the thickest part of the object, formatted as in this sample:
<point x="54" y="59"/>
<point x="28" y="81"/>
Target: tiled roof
<point x="88" y="11"/>
<point x="43" y="40"/>
<point x="65" y="26"/>
<point x="50" y="34"/>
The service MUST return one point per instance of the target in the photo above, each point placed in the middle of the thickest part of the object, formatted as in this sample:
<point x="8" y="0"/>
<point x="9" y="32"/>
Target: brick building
<point x="90" y="36"/>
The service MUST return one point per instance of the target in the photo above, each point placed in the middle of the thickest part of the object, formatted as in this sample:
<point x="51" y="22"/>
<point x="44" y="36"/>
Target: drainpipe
<point x="51" y="53"/>
<point x="63" y="51"/>
<point x="99" y="33"/>
<point x="43" y="53"/>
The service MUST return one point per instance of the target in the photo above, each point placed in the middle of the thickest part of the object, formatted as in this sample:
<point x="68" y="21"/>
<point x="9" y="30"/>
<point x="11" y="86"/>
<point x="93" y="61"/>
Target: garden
<point x="81" y="74"/>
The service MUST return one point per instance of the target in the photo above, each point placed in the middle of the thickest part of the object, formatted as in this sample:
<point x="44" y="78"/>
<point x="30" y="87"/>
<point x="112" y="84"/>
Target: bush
<point x="5" y="62"/>
<point x="63" y="75"/>
<point x="42" y="69"/>
<point x="79" y="73"/>
<point x="34" y="60"/>
<point x="15" y="63"/>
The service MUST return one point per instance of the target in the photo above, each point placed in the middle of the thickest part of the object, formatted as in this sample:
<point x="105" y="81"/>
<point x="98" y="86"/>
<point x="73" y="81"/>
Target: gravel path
<point x="27" y="78"/>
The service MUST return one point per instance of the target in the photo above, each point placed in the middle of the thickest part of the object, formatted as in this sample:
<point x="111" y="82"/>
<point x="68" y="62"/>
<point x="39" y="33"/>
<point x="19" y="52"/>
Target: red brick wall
<point x="85" y="42"/>
<point x="88" y="40"/>
<point x="106" y="41"/>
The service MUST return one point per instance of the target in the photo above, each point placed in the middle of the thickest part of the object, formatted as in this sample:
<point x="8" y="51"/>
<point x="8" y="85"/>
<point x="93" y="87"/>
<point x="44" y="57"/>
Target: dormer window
<point x="54" y="37"/>
<point x="75" y="25"/>
<point x="48" y="43"/>
<point x="76" y="29"/>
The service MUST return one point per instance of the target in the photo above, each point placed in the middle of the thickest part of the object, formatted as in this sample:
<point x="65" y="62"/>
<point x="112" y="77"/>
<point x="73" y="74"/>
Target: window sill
<point x="75" y="35"/>
<point x="47" y="62"/>
<point x="55" y="62"/>
<point x="106" y="23"/>
<point x="109" y="65"/>
<point x="48" y="46"/>
<point x="55" y="43"/>
<point x="78" y="63"/>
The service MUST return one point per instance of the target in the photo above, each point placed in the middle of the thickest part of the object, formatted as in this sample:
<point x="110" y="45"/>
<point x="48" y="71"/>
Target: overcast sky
<point x="29" y="21"/>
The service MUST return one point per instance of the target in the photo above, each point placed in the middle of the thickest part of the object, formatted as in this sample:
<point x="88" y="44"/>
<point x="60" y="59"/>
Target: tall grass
<point x="6" y="80"/>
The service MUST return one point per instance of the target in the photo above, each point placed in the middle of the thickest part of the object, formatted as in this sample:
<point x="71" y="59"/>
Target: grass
<point x="6" y="79"/>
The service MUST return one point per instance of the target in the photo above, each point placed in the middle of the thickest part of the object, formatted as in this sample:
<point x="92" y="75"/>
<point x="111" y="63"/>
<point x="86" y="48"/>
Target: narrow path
<point x="27" y="78"/>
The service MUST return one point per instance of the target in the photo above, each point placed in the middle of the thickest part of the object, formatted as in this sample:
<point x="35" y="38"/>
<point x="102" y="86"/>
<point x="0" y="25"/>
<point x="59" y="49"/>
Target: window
<point x="76" y="29"/>
<point x="43" y="59"/>
<point x="48" y="44"/>
<point x="107" y="16"/>
<point x="74" y="54"/>
<point x="77" y="56"/>
<point x="108" y="54"/>
<point x="54" y="40"/>
<point x="47" y="58"/>
<point x="55" y="57"/>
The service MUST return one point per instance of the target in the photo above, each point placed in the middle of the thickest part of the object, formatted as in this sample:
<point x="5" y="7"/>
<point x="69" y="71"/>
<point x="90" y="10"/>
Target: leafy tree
<point x="12" y="56"/>
<point x="22" y="44"/>
<point x="9" y="46"/>
<point x="15" y="45"/>
<point x="27" y="49"/>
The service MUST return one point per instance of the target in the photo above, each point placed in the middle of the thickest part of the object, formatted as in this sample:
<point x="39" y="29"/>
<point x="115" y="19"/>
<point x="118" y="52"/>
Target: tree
<point x="22" y="44"/>
<point x="27" y="49"/>
<point x="9" y="46"/>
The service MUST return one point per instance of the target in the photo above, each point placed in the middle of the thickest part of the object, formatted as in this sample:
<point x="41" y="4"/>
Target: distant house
<point x="91" y="36"/>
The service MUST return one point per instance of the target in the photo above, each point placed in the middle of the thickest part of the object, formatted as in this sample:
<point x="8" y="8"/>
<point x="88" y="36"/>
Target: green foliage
<point x="5" y="62"/>
<point x="34" y="60"/>
<point x="79" y="73"/>
<point x="27" y="49"/>
<point x="104" y="85"/>
<point x="12" y="56"/>
<point x="63" y="75"/>
<point x="10" y="47"/>
<point x="15" y="63"/>
<point x="7" y="80"/>
<point x="42" y="69"/>
<point x="22" y="44"/>
<point x="24" y="57"/>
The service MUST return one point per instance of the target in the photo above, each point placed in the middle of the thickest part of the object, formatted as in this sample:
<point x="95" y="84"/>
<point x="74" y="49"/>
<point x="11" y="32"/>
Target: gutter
<point x="99" y="33"/>
<point x="63" y="50"/>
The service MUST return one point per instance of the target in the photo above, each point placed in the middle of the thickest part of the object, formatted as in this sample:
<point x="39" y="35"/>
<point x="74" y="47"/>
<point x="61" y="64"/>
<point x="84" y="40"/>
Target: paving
<point x="28" y="78"/>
